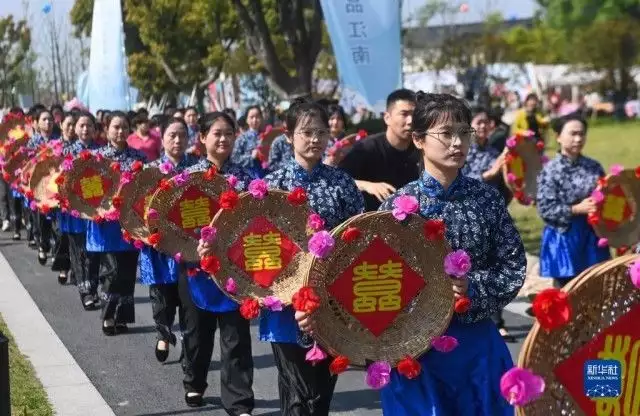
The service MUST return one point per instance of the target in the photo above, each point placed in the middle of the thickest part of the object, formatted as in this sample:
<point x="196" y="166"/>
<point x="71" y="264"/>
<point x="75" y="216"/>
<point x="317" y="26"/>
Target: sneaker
<point x="5" y="226"/>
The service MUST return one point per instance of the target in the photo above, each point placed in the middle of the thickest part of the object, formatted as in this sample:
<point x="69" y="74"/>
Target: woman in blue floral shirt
<point x="245" y="151"/>
<point x="158" y="270"/>
<point x="465" y="381"/>
<point x="305" y="389"/>
<point x="206" y="308"/>
<point x="569" y="244"/>
<point x="118" y="257"/>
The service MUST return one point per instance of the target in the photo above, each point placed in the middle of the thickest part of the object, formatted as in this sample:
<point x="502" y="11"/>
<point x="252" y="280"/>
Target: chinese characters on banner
<point x="192" y="211"/>
<point x="365" y="36"/>
<point x="376" y="286"/>
<point x="619" y="342"/>
<point x="141" y="205"/>
<point x="262" y="251"/>
<point x="91" y="187"/>
<point x="616" y="209"/>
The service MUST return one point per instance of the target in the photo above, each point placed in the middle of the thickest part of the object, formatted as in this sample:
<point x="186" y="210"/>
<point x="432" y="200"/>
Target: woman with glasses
<point x="465" y="381"/>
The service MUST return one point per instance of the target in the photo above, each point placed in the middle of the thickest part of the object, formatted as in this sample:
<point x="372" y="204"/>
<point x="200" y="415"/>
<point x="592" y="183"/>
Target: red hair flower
<point x="462" y="305"/>
<point x="552" y="309"/>
<point x="297" y="196"/>
<point x="305" y="300"/>
<point x="250" y="308"/>
<point x="434" y="230"/>
<point x="409" y="367"/>
<point x="339" y="365"/>
<point x="229" y="199"/>
<point x="154" y="239"/>
<point x="350" y="235"/>
<point x="210" y="264"/>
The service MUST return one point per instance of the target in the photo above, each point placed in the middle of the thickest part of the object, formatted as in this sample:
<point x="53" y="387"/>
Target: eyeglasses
<point x="311" y="133"/>
<point x="465" y="134"/>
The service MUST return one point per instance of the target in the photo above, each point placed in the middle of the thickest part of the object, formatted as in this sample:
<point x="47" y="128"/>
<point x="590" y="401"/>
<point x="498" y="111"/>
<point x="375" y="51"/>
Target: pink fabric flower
<point x="67" y="164"/>
<point x="529" y="134"/>
<point x="75" y="213"/>
<point x="616" y="169"/>
<point x="511" y="178"/>
<point x="152" y="214"/>
<point x="232" y="180"/>
<point x="139" y="245"/>
<point x="634" y="273"/>
<point x="57" y="151"/>
<point x="378" y="375"/>
<point x="520" y="386"/>
<point x="444" y="343"/>
<point x="178" y="257"/>
<point x="321" y="244"/>
<point x="125" y="178"/>
<point x="112" y="215"/>
<point x="99" y="157"/>
<point x="208" y="234"/>
<point x="231" y="286"/>
<point x="264" y="165"/>
<point x="403" y="206"/>
<point x="544" y="159"/>
<point x="33" y="206"/>
<point x="597" y="196"/>
<point x="457" y="263"/>
<point x="272" y="303"/>
<point x="315" y="222"/>
<point x="166" y="167"/>
<point x="511" y="142"/>
<point x="258" y="188"/>
<point x="315" y="354"/>
<point x="603" y="242"/>
<point x="181" y="178"/>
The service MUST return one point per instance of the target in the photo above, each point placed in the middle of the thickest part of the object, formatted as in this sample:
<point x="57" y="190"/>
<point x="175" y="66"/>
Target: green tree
<point x="15" y="40"/>
<point x="284" y="39"/>
<point x="541" y="44"/>
<point x="602" y="34"/>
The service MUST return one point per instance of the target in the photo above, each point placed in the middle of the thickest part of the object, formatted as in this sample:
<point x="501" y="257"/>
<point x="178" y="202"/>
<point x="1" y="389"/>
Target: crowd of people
<point x="435" y="148"/>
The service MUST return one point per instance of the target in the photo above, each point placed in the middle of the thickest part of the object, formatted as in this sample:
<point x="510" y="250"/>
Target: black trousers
<point x="5" y="198"/>
<point x="236" y="374"/>
<point x="85" y="265"/>
<point x="16" y="209"/>
<point x="119" y="274"/>
<point x="305" y="389"/>
<point x="44" y="231"/>
<point x="61" y="254"/>
<point x="165" y="301"/>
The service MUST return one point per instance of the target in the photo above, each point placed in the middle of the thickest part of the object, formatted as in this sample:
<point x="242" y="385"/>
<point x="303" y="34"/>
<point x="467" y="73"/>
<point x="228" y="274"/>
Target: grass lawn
<point x="28" y="397"/>
<point x="609" y="143"/>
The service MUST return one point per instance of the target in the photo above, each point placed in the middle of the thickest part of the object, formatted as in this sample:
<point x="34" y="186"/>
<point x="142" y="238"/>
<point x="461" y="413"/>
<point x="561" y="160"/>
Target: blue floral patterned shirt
<point x="242" y="149"/>
<point x="280" y="154"/>
<point x="335" y="197"/>
<point x="229" y="168"/>
<point x="125" y="157"/>
<point x="186" y="162"/>
<point x="563" y="183"/>
<point x="38" y="140"/>
<point x="75" y="147"/>
<point x="479" y="160"/>
<point x="477" y="222"/>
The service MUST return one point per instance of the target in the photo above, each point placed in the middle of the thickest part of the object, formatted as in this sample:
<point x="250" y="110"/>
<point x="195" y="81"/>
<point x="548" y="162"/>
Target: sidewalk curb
<point x="68" y="388"/>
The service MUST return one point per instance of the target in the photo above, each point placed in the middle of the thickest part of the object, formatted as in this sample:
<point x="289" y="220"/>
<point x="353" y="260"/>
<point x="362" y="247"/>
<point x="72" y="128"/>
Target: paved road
<point x="124" y="368"/>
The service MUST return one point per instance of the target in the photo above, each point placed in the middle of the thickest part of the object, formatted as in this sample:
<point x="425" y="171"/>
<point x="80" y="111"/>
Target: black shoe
<point x="16" y="237"/>
<point x="194" y="401"/>
<point x="33" y="244"/>
<point x="62" y="278"/>
<point x="42" y="258"/>
<point x="109" y="330"/>
<point x="122" y="328"/>
<point x="161" y="355"/>
<point x="88" y="302"/>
